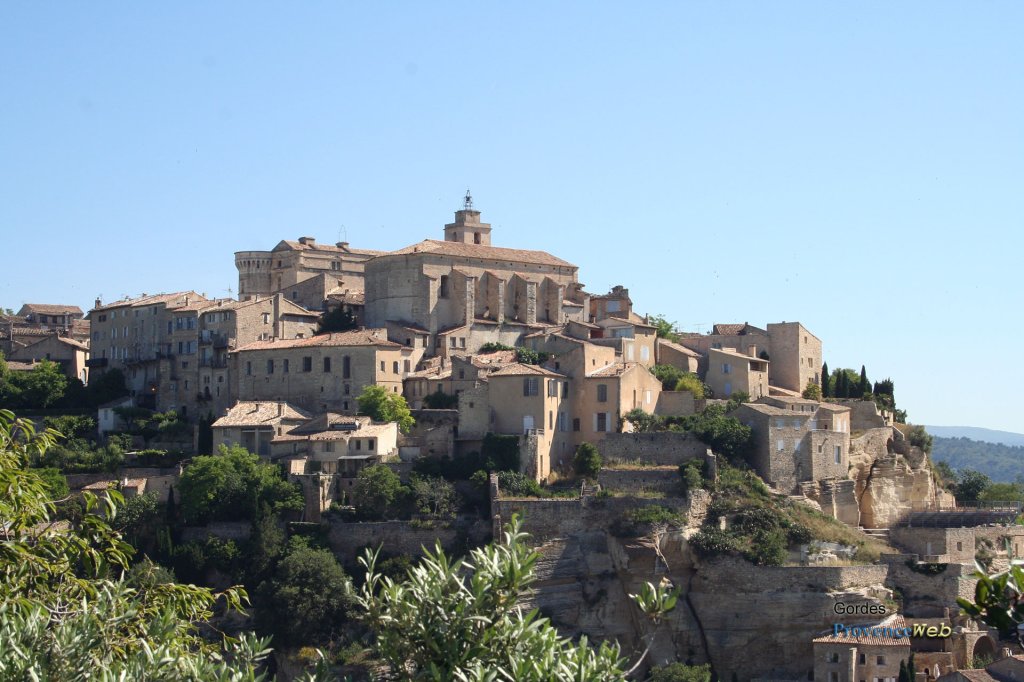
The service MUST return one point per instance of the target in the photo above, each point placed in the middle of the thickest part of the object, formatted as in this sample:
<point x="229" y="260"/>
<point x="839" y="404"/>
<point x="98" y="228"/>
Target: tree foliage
<point x="66" y="613"/>
<point x="40" y="387"/>
<point x="971" y="484"/>
<point x="337" y="320"/>
<point x="459" y="619"/>
<point x="679" y="672"/>
<point x="587" y="460"/>
<point x="382" y="405"/>
<point x="231" y="486"/>
<point x="812" y="391"/>
<point x="665" y="329"/>
<point x="307" y="600"/>
<point x="998" y="461"/>
<point x="377" y="489"/>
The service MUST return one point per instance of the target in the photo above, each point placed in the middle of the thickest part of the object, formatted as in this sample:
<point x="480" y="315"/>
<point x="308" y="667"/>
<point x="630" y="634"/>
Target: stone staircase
<point x="878" y="533"/>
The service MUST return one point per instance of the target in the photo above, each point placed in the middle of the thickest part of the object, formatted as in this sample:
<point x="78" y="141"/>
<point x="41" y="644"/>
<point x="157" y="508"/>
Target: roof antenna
<point x="468" y="205"/>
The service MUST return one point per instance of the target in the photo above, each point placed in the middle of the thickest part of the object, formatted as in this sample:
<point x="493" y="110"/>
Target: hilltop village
<point x="726" y="466"/>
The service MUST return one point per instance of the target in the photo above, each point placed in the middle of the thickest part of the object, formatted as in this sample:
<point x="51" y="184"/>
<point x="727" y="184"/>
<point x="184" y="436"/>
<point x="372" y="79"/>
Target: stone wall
<point x="655" y="479"/>
<point x="434" y="432"/>
<point x="864" y="415"/>
<point x="661" y="447"/>
<point x="925" y="595"/>
<point x="675" y="403"/>
<point x="347" y="540"/>
<point x="875" y="441"/>
<point x="225" y="530"/>
<point x="946" y="545"/>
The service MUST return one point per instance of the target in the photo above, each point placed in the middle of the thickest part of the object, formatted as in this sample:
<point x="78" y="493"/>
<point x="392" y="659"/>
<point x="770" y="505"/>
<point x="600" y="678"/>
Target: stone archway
<point x="984" y="649"/>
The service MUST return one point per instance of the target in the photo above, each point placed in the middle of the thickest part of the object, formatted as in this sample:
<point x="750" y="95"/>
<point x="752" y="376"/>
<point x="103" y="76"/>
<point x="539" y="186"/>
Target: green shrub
<point x="516" y="484"/>
<point x="587" y="461"/>
<point x="711" y="542"/>
<point x="767" y="547"/>
<point x="692" y="473"/>
<point x="439" y="400"/>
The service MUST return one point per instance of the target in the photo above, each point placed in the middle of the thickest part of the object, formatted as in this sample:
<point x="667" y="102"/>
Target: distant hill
<point x="976" y="433"/>
<point x="1001" y="463"/>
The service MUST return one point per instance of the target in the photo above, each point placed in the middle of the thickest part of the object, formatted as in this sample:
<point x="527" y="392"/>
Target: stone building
<point x="326" y="454"/>
<point x="173" y="348"/>
<point x="730" y="371"/>
<point x="50" y="316"/>
<point x="71" y="355"/>
<point x="797" y="440"/>
<point x="633" y="340"/>
<point x="464" y="292"/>
<point x="677" y="355"/>
<point x="794" y="352"/>
<point x="305" y="272"/>
<point x="253" y="425"/>
<point x="845" y="657"/>
<point x="796" y="356"/>
<point x="533" y="402"/>
<point x="321" y="373"/>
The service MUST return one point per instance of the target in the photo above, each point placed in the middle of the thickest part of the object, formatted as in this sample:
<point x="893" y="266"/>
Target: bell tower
<point x="467" y="228"/>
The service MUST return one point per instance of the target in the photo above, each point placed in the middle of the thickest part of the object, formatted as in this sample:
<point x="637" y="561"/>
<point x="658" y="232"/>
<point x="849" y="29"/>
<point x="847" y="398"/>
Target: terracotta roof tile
<point x="332" y="248"/>
<point x="150" y="299"/>
<point x="256" y="413"/>
<point x="359" y="337"/>
<point x="482" y="251"/>
<point x="51" y="309"/>
<point x="518" y="369"/>
<point x="878" y="634"/>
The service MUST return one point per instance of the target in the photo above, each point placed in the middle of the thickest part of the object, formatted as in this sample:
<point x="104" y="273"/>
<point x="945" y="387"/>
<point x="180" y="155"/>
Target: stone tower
<point x="467" y="227"/>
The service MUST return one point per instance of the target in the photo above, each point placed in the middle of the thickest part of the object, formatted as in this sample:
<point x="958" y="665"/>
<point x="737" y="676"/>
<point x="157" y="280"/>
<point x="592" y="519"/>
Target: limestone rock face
<point x="744" y="619"/>
<point x="891" y="488"/>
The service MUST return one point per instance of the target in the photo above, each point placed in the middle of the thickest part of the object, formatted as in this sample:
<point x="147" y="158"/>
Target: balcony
<point x="213" y="363"/>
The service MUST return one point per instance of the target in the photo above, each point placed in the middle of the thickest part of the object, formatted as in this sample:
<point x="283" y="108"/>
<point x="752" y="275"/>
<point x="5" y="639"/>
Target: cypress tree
<point x="904" y="674"/>
<point x="826" y="388"/>
<point x="844" y="384"/>
<point x="172" y="510"/>
<point x="865" y="385"/>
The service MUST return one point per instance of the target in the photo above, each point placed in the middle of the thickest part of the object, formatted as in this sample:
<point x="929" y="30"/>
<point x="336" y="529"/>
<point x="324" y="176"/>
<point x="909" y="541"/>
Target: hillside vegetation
<point x="1001" y="463"/>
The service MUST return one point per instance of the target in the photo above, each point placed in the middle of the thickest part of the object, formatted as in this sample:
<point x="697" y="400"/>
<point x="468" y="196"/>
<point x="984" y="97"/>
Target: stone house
<point x="134" y="335"/>
<point x="616" y="303"/>
<point x="534" y="402"/>
<point x="230" y="324"/>
<point x="326" y="454"/>
<point x="796" y="356"/>
<point x="173" y="348"/>
<point x="730" y="371"/>
<point x="253" y="425"/>
<point x="71" y="355"/>
<point x="305" y="272"/>
<point x="677" y="355"/>
<point x="876" y="656"/>
<point x="608" y="394"/>
<point x="794" y="352"/>
<point x="806" y="441"/>
<point x="321" y="373"/>
<point x="632" y="341"/>
<point x="50" y="316"/>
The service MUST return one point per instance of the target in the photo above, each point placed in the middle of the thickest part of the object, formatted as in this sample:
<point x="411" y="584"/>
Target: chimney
<point x="342" y="245"/>
<point x="277" y="314"/>
<point x="307" y="241"/>
<point x="280" y="409"/>
<point x="752" y="351"/>
<point x="98" y="302"/>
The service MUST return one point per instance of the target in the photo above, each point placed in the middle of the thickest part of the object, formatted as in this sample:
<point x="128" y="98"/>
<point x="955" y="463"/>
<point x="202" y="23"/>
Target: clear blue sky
<point x="855" y="166"/>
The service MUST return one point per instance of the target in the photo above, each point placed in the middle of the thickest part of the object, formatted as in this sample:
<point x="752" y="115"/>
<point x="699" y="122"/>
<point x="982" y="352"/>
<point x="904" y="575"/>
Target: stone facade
<point x="796" y="356"/>
<point x="291" y="265"/>
<point x="323" y="372"/>
<point x="661" y="448"/>
<point x="806" y="441"/>
<point x="71" y="355"/>
<point x="729" y="371"/>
